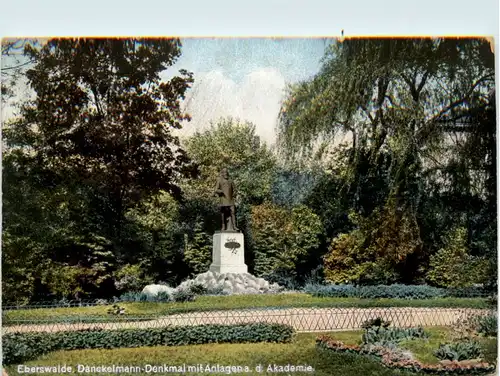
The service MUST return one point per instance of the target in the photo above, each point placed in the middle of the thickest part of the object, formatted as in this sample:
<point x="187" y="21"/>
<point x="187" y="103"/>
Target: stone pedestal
<point x="228" y="253"/>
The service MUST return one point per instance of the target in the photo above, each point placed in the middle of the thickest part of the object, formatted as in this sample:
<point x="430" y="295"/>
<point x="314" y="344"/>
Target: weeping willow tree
<point x="410" y="105"/>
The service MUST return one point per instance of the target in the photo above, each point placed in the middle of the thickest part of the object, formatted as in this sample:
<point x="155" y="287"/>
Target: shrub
<point x="198" y="249"/>
<point x="284" y="278"/>
<point x="473" y="325"/>
<point x="198" y="289"/>
<point x="332" y="291"/>
<point x="116" y="310"/>
<point x="142" y="297"/>
<point x="375" y="323"/>
<point x="386" y="337"/>
<point x="216" y="290"/>
<point x="396" y="291"/>
<point x="453" y="266"/>
<point x="282" y="238"/>
<point x="376" y="250"/>
<point x="163" y="296"/>
<point x="183" y="295"/>
<point x="488" y="325"/>
<point x="459" y="351"/>
<point x="465" y="292"/>
<point x="316" y="276"/>
<point x="131" y="278"/>
<point x="21" y="347"/>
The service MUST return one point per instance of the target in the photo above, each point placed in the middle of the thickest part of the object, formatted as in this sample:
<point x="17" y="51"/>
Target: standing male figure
<point x="225" y="190"/>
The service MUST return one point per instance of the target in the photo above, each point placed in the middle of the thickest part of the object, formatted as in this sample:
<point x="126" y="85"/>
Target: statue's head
<point x="224" y="173"/>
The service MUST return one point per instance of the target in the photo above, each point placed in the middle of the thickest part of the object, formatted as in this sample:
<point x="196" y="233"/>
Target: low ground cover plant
<point x="459" y="351"/>
<point x="396" y="291"/>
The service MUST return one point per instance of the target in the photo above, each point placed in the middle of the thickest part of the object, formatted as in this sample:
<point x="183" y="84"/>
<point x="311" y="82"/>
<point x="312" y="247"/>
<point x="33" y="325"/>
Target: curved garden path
<point x="302" y="319"/>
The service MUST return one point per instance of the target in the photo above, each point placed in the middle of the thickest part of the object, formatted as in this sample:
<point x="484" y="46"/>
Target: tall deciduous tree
<point x="13" y="65"/>
<point x="103" y="114"/>
<point x="393" y="95"/>
<point x="95" y="140"/>
<point x="402" y="104"/>
<point x="233" y="144"/>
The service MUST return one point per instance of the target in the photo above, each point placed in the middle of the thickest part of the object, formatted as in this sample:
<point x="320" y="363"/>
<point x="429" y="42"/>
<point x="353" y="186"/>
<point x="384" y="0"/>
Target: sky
<point x="245" y="77"/>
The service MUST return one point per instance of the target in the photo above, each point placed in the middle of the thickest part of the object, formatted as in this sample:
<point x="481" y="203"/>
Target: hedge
<point x="20" y="347"/>
<point x="396" y="291"/>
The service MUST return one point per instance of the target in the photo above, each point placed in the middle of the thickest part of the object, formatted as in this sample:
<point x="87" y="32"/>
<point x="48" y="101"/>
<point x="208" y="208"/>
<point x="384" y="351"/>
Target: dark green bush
<point x="466" y="292"/>
<point x="459" y="351"/>
<point x="390" y="336"/>
<point x="142" y="297"/>
<point x="116" y="310"/>
<point x="216" y="290"/>
<point x="198" y="289"/>
<point x="21" y="347"/>
<point x="396" y="291"/>
<point x="488" y="325"/>
<point x="183" y="295"/>
<point x="375" y="323"/>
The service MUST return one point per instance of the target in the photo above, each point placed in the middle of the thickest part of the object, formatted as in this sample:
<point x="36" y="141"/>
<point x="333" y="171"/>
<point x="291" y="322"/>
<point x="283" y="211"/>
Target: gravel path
<point x="302" y="319"/>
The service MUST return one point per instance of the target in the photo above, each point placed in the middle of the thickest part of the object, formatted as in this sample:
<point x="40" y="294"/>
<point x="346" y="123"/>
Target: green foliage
<point x="488" y="325"/>
<point x="396" y="291"/>
<point x="156" y="214"/>
<point x="199" y="289"/>
<point x="73" y="281"/>
<point x="233" y="144"/>
<point x="198" y="250"/>
<point x="374" y="251"/>
<point x="93" y="174"/>
<point x="376" y="323"/>
<point x="131" y="278"/>
<point x="292" y="186"/>
<point x="20" y="347"/>
<point x="459" y="351"/>
<point x="393" y="357"/>
<point x="178" y="295"/>
<point x="452" y="266"/>
<point x="90" y="146"/>
<point x="341" y="260"/>
<point x="283" y="238"/>
<point x="154" y="230"/>
<point x="142" y="297"/>
<point x="116" y="310"/>
<point x="183" y="295"/>
<point x="379" y="88"/>
<point x="383" y="336"/>
<point x="397" y="102"/>
<point x="40" y="221"/>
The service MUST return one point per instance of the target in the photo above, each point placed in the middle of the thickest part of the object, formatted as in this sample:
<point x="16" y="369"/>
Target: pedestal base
<point x="228" y="253"/>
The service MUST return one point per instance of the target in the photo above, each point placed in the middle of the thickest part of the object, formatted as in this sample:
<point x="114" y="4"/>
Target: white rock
<point x="154" y="290"/>
<point x="251" y="291"/>
<point x="262" y="283"/>
<point x="231" y="283"/>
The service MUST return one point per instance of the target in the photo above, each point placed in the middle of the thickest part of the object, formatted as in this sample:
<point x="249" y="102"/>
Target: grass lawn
<point x="210" y="303"/>
<point x="423" y="350"/>
<point x="301" y="351"/>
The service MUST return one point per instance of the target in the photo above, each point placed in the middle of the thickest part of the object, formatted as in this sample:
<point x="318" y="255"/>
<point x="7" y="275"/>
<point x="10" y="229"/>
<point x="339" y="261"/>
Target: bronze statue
<point x="225" y="190"/>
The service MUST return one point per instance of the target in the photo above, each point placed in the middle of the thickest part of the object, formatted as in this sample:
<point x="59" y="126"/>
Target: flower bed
<point x="392" y="358"/>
